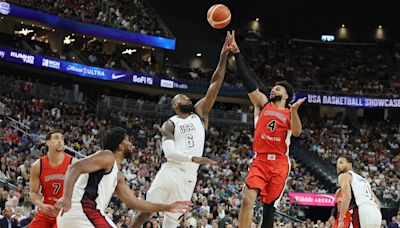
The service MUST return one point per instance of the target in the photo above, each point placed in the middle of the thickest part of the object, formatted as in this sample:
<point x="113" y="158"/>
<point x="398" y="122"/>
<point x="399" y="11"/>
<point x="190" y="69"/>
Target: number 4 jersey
<point x="272" y="133"/>
<point x="189" y="137"/>
<point x="52" y="179"/>
<point x="361" y="190"/>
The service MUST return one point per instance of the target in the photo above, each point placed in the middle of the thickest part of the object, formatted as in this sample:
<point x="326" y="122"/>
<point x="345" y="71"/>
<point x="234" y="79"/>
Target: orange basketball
<point x="219" y="16"/>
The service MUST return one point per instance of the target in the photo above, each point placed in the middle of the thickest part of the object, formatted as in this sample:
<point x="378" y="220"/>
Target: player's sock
<point x="268" y="216"/>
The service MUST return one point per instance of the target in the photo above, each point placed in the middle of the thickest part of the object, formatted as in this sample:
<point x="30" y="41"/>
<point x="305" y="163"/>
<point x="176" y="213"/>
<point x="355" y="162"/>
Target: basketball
<point x="219" y="16"/>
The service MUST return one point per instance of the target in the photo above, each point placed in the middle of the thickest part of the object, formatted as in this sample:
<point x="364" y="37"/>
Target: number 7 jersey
<point x="52" y="178"/>
<point x="272" y="133"/>
<point x="189" y="137"/>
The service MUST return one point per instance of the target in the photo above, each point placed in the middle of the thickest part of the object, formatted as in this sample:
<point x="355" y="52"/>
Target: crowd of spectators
<point x="342" y="69"/>
<point x="217" y="194"/>
<point x="373" y="145"/>
<point x="358" y="69"/>
<point x="131" y="15"/>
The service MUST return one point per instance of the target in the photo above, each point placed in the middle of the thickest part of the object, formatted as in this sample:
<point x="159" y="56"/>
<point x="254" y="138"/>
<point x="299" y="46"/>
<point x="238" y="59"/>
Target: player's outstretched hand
<point x="233" y="47"/>
<point x="63" y="204"/>
<point x="48" y="209"/>
<point x="226" y="48"/>
<point x="296" y="105"/>
<point x="180" y="207"/>
<point x="203" y="161"/>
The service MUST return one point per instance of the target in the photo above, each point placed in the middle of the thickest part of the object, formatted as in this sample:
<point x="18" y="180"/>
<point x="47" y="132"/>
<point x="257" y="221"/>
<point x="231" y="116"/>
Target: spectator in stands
<point x="393" y="223"/>
<point x="7" y="221"/>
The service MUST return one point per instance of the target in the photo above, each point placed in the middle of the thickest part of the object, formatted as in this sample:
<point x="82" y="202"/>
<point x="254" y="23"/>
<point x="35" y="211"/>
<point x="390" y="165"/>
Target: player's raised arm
<point x="34" y="191"/>
<point x="295" y="122"/>
<point x="248" y="77"/>
<point x="204" y="105"/>
<point x="170" y="150"/>
<point x="124" y="193"/>
<point x="102" y="160"/>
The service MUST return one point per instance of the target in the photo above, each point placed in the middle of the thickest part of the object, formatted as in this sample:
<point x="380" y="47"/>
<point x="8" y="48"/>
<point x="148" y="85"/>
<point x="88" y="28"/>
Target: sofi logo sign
<point x="30" y="59"/>
<point x="2" y="54"/>
<point x="142" y="80"/>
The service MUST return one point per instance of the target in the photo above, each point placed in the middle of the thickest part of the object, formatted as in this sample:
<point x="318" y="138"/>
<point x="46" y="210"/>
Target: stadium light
<point x="129" y="51"/>
<point x="198" y="54"/>
<point x="343" y="26"/>
<point x="257" y="19"/>
<point x="24" y="32"/>
<point x="380" y="33"/>
<point x="68" y="40"/>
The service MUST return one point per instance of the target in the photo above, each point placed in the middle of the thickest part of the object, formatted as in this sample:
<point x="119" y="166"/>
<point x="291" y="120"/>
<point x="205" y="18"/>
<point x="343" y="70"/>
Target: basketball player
<point x="355" y="186"/>
<point x="47" y="180"/>
<point x="183" y="138"/>
<point x="275" y="122"/>
<point x="351" y="217"/>
<point x="91" y="182"/>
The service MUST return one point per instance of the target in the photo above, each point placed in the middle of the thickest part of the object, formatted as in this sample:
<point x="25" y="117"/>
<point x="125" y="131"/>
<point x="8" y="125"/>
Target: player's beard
<point x="186" y="108"/>
<point x="276" y="98"/>
<point x="127" y="153"/>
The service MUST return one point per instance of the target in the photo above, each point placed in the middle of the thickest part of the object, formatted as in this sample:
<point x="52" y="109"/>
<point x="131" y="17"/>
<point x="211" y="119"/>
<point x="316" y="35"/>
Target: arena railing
<point x="39" y="90"/>
<point x="164" y="110"/>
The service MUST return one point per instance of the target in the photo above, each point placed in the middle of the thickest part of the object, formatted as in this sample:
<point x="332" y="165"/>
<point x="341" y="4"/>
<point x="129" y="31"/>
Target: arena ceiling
<point x="295" y="18"/>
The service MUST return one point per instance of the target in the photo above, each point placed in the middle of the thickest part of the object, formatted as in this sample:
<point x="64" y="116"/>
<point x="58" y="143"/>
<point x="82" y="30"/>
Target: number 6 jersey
<point x="189" y="137"/>
<point x="272" y="133"/>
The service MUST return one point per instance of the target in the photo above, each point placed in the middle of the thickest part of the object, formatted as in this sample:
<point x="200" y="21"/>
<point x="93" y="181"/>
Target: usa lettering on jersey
<point x="187" y="128"/>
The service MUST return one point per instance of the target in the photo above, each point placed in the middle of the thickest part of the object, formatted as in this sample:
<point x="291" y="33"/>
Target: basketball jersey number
<point x="368" y="193"/>
<point x="56" y="188"/>
<point x="189" y="141"/>
<point x="272" y="125"/>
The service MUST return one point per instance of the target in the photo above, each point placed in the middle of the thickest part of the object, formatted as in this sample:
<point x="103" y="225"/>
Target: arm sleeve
<point x="246" y="74"/>
<point x="334" y="212"/>
<point x="172" y="153"/>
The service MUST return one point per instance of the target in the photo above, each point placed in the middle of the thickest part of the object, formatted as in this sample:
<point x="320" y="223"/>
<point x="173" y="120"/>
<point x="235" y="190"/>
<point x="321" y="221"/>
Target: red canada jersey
<point x="272" y="133"/>
<point x="52" y="179"/>
<point x="347" y="217"/>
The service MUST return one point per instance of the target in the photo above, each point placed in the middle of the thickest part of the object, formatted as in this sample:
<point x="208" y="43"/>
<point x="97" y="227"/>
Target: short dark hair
<point x="48" y="136"/>
<point x="289" y="90"/>
<point x="348" y="159"/>
<point x="113" y="138"/>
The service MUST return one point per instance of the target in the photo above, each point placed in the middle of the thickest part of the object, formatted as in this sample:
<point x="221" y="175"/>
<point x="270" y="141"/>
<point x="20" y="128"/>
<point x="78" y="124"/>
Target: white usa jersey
<point x="189" y="137"/>
<point x="95" y="189"/>
<point x="361" y="190"/>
